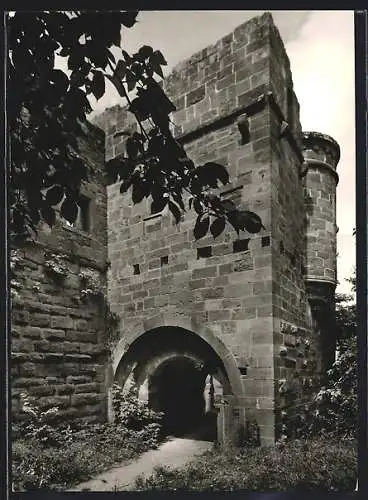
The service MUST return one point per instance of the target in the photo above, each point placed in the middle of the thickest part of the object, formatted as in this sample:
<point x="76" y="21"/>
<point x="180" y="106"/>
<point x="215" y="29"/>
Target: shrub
<point x="334" y="411"/>
<point x="302" y="465"/>
<point x="40" y="425"/>
<point x="132" y="413"/>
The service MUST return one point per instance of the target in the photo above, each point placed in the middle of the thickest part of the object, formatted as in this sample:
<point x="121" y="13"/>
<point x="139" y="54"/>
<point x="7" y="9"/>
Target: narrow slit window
<point x="204" y="252"/>
<point x="282" y="249"/>
<point x="164" y="260"/>
<point x="136" y="269"/>
<point x="240" y="245"/>
<point x="84" y="207"/>
<point x="266" y="240"/>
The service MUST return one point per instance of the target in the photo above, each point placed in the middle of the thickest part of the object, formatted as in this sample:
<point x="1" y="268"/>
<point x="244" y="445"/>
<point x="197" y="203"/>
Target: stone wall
<point x="58" y="336"/>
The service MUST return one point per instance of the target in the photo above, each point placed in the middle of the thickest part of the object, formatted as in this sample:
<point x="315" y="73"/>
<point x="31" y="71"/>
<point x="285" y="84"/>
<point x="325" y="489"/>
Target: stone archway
<point x="184" y="324"/>
<point x="177" y="371"/>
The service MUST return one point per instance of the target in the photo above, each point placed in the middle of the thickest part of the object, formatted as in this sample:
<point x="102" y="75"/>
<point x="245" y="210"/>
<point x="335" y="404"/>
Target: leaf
<point x="117" y="84"/>
<point x="217" y="226"/>
<point x="110" y="56"/>
<point x="77" y="78"/>
<point x="197" y="205"/>
<point x="245" y="221"/>
<point x="250" y="221"/>
<point x="69" y="210"/>
<point x="221" y="172"/>
<point x="60" y="80"/>
<point x="120" y="69"/>
<point x="112" y="169"/>
<point x="174" y="209"/>
<point x="98" y="85"/>
<point x="145" y="52"/>
<point x="210" y="172"/>
<point x="132" y="147"/>
<point x="139" y="191"/>
<point x="54" y="195"/>
<point x="158" y="204"/>
<point x="201" y="226"/>
<point x="129" y="18"/>
<point x="75" y="60"/>
<point x="125" y="185"/>
<point x="158" y="58"/>
<point x="156" y="68"/>
<point x="179" y="200"/>
<point x="138" y="107"/>
<point x="65" y="51"/>
<point x="126" y="56"/>
<point x="228" y="205"/>
<point x="48" y="215"/>
<point x="131" y="80"/>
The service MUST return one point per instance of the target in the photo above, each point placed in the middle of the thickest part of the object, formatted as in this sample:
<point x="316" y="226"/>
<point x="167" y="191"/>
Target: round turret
<point x="321" y="156"/>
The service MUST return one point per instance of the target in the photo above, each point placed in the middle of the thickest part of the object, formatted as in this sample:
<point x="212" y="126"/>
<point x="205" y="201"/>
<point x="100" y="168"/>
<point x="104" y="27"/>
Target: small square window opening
<point x="240" y="245"/>
<point x="164" y="260"/>
<point x="204" y="252"/>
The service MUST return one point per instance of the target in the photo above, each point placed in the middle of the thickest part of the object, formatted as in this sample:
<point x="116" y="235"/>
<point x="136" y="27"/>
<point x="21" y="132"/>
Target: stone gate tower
<point x="238" y="316"/>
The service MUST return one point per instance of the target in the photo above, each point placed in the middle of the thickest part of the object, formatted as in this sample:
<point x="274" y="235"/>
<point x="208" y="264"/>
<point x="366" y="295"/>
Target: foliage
<point x="91" y="283"/>
<point x="48" y="107"/>
<point x="39" y="424"/>
<point x="93" y="288"/>
<point x="300" y="465"/>
<point x="346" y="321"/>
<point x="56" y="266"/>
<point x="50" y="453"/>
<point x="112" y="330"/>
<point x="133" y="413"/>
<point x="15" y="261"/>
<point x="334" y="410"/>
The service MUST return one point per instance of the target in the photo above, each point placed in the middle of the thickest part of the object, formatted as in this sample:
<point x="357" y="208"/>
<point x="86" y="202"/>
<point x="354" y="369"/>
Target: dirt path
<point x="174" y="453"/>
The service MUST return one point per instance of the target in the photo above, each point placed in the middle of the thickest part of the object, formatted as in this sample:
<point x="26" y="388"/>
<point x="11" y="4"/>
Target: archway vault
<point x="162" y="323"/>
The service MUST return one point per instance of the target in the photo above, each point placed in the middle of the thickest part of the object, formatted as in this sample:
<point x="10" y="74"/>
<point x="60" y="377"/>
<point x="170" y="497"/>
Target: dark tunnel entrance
<point x="177" y="389"/>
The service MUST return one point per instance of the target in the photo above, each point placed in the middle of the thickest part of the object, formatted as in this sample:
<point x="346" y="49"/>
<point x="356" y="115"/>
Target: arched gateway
<point x="190" y="376"/>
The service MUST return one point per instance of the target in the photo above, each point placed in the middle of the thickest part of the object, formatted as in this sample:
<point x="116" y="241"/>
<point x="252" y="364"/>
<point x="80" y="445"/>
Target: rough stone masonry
<point x="250" y="316"/>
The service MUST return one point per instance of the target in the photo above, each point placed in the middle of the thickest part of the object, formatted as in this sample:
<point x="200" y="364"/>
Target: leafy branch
<point x="48" y="108"/>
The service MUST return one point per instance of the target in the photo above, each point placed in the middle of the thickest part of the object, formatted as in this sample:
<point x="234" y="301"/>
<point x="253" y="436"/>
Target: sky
<point x="320" y="45"/>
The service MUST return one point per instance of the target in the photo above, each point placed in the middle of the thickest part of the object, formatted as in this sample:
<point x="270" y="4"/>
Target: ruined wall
<point x="58" y="336"/>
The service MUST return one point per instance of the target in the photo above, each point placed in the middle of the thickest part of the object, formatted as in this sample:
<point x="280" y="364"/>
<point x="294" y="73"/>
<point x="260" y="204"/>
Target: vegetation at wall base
<point x="318" y="464"/>
<point x="48" y="453"/>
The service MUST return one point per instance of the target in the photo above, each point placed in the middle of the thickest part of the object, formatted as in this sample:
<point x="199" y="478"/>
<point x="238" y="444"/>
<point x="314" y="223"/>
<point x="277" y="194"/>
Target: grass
<point x="300" y="465"/>
<point x="89" y="452"/>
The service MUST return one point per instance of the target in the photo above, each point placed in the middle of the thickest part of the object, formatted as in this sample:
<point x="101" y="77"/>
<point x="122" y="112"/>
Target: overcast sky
<point x="320" y="45"/>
